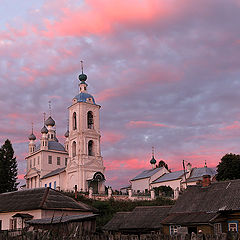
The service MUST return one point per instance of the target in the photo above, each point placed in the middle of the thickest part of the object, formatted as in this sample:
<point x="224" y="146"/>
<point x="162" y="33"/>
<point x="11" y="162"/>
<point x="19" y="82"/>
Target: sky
<point x="166" y="74"/>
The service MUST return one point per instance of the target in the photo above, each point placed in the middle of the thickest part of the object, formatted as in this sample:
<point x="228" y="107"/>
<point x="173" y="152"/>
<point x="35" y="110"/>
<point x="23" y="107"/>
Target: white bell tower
<point x="85" y="165"/>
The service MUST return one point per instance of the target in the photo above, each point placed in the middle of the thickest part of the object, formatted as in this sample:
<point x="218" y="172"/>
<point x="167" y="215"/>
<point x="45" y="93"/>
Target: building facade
<point x="76" y="165"/>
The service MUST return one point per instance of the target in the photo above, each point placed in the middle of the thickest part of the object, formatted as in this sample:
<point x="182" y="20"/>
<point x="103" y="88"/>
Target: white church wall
<point x="174" y="184"/>
<point x="140" y="185"/>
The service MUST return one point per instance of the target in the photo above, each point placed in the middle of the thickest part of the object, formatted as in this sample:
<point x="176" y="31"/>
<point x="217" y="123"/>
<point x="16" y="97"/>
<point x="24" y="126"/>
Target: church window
<point x="74" y="149"/>
<point x="90" y="120"/>
<point x="58" y="160"/>
<point x="38" y="160"/>
<point x="74" y="121"/>
<point x="45" y="185"/>
<point x="49" y="159"/>
<point x="50" y="184"/>
<point x="90" y="148"/>
<point x="34" y="162"/>
<point x="30" y="163"/>
<point x="54" y="185"/>
<point x="65" y="161"/>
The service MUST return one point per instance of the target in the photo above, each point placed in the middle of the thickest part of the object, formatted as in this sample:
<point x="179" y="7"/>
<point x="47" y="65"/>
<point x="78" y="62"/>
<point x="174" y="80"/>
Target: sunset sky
<point x="166" y="73"/>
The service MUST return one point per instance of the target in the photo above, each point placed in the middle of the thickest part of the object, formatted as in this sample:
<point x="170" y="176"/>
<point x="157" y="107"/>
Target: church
<point x="78" y="165"/>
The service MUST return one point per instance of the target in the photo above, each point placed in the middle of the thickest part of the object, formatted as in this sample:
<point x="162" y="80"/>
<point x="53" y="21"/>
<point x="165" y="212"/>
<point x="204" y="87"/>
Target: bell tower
<point x="85" y="165"/>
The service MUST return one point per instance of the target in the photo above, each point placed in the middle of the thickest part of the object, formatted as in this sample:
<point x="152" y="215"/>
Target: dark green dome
<point x="82" y="77"/>
<point x="153" y="161"/>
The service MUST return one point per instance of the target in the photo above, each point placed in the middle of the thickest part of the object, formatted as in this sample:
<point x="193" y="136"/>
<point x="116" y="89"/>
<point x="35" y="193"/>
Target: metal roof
<point x="54" y="145"/>
<point x="61" y="219"/>
<point x="146" y="173"/>
<point x="82" y="97"/>
<point x="199" y="172"/>
<point x="54" y="172"/>
<point x="170" y="176"/>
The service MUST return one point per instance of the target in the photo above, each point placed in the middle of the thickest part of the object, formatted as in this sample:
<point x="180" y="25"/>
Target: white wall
<point x="173" y="184"/>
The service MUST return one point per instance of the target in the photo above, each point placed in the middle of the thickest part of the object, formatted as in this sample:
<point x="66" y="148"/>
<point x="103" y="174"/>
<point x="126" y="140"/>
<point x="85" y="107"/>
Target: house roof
<point x="147" y="217"/>
<point x="39" y="198"/>
<point x="146" y="173"/>
<point x="61" y="219"/>
<point x="189" y="218"/>
<point x="197" y="173"/>
<point x="169" y="176"/>
<point x="54" y="172"/>
<point x="23" y="215"/>
<point x="115" y="223"/>
<point x="214" y="198"/>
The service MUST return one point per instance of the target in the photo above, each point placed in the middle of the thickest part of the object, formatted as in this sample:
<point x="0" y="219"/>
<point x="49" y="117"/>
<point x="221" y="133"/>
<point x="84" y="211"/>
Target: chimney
<point x="206" y="180"/>
<point x="75" y="190"/>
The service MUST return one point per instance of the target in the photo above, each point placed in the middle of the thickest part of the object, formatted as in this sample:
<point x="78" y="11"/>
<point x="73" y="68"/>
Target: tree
<point x="162" y="164"/>
<point x="8" y="168"/>
<point x="229" y="167"/>
<point x="165" y="191"/>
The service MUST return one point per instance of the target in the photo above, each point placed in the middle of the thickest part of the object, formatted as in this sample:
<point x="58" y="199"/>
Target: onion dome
<point x="50" y="122"/>
<point x="44" y="130"/>
<point x="32" y="137"/>
<point x="82" y="77"/>
<point x="66" y="134"/>
<point x="153" y="160"/>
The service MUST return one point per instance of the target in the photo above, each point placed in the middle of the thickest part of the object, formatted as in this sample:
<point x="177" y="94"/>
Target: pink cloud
<point x="21" y="176"/>
<point x="234" y="126"/>
<point x="111" y="137"/>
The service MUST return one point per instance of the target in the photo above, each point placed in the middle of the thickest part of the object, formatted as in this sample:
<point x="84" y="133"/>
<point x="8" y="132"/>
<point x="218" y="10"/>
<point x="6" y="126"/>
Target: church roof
<point x="169" y="176"/>
<point x="53" y="145"/>
<point x="39" y="198"/>
<point x="54" y="172"/>
<point x="82" y="97"/>
<point x="146" y="173"/>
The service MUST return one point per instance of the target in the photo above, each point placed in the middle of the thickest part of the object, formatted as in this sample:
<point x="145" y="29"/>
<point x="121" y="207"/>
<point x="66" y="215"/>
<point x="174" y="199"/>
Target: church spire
<point x="153" y="160"/>
<point x="82" y="78"/>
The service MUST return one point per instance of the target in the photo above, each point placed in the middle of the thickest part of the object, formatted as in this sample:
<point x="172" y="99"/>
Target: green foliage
<point x="162" y="164"/>
<point x="8" y="168"/>
<point x="229" y="167"/>
<point x="165" y="191"/>
<point x="106" y="209"/>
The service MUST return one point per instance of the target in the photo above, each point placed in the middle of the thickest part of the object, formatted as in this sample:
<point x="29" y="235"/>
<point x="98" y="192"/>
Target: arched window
<point x="74" y="121"/>
<point x="74" y="149"/>
<point x="90" y="148"/>
<point x="90" y="120"/>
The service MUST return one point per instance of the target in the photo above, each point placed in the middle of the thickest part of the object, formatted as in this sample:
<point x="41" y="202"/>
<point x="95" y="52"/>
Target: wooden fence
<point x="48" y="235"/>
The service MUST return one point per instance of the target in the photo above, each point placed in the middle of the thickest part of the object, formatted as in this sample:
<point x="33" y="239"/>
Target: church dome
<point x="153" y="160"/>
<point x="66" y="134"/>
<point x="32" y="137"/>
<point x="84" y="97"/>
<point x="50" y="122"/>
<point x="82" y="77"/>
<point x="44" y="130"/>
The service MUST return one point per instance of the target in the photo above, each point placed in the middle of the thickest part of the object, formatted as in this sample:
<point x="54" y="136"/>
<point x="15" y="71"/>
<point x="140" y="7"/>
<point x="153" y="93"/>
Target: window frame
<point x="49" y="159"/>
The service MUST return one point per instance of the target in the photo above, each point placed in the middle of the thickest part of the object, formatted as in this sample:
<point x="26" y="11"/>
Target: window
<point x="45" y="185"/>
<point x="38" y="160"/>
<point x="90" y="148"/>
<point x="50" y="184"/>
<point x="233" y="226"/>
<point x="51" y="136"/>
<point x="174" y="229"/>
<point x="0" y="225"/>
<point x="74" y="121"/>
<point x="30" y="163"/>
<point x="34" y="162"/>
<point x="49" y="159"/>
<point x="54" y="185"/>
<point x="217" y="228"/>
<point x="74" y="149"/>
<point x="13" y="223"/>
<point x="65" y="161"/>
<point x="90" y="120"/>
<point x="58" y="160"/>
